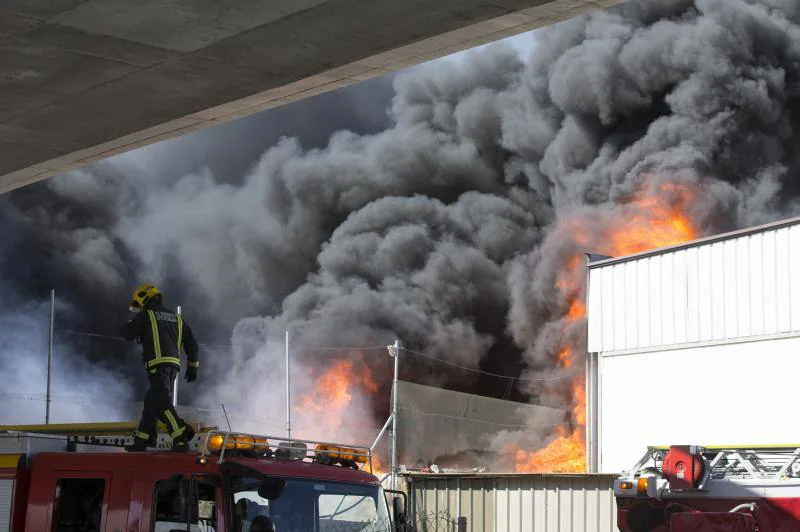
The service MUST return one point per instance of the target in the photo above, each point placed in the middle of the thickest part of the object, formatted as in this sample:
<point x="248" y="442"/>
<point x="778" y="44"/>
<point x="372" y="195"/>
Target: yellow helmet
<point x="143" y="295"/>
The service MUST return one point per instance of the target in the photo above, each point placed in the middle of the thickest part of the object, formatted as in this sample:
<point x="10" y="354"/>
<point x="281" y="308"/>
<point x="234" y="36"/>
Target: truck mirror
<point x="399" y="510"/>
<point x="271" y="488"/>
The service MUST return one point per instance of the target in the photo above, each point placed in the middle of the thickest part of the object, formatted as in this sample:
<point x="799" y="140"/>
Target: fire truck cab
<point x="686" y="488"/>
<point x="85" y="481"/>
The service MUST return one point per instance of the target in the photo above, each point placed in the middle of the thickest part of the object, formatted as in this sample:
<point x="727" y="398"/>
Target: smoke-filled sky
<point x="419" y="206"/>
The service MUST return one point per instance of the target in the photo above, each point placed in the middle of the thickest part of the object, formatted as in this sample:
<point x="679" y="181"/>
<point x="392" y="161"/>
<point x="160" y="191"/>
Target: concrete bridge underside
<point x="82" y="80"/>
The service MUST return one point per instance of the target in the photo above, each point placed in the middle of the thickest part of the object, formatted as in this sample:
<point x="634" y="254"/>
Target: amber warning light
<point x="331" y="454"/>
<point x="638" y="486"/>
<point x="225" y="443"/>
<point x="238" y="442"/>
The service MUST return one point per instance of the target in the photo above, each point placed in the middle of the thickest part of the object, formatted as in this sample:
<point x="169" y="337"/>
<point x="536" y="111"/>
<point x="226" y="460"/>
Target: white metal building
<point x="695" y="344"/>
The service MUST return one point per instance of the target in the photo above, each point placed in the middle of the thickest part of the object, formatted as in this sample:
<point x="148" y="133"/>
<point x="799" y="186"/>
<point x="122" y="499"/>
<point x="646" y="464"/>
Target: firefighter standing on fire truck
<point x="162" y="334"/>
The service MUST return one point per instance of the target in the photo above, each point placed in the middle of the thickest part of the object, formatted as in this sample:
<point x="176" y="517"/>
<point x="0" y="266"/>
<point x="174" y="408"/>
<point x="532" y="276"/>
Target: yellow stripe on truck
<point x="9" y="461"/>
<point x="74" y="429"/>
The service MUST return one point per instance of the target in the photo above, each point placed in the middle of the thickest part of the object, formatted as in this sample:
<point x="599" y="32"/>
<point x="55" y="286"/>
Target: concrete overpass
<point x="82" y="80"/>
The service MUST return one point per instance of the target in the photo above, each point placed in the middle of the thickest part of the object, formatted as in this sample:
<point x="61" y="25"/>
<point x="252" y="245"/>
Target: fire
<point x="377" y="467"/>
<point x="565" y="358"/>
<point x="654" y="220"/>
<point x="657" y="217"/>
<point x="577" y="310"/>
<point x="332" y="390"/>
<point x="563" y="455"/>
<point x="330" y="410"/>
<point x="328" y="404"/>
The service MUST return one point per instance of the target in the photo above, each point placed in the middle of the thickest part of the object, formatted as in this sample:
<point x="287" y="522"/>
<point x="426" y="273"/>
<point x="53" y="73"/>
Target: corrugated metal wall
<point x="6" y="496"/>
<point x="733" y="288"/>
<point x="514" y="503"/>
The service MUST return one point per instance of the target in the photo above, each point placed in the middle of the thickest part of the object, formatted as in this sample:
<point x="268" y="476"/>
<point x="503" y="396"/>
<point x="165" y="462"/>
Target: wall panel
<point x="725" y="290"/>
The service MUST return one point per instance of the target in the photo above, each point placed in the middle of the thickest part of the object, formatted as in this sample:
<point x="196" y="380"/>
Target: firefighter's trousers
<point x="158" y="405"/>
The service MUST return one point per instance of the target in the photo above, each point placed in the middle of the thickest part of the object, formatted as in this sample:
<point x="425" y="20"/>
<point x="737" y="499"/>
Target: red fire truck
<point x="686" y="488"/>
<point x="71" y="478"/>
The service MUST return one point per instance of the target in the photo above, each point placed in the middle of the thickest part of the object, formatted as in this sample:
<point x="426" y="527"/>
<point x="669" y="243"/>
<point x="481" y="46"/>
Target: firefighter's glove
<point x="191" y="374"/>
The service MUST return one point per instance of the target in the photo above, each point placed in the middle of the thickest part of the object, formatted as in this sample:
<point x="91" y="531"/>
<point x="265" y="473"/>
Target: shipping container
<point x="694" y="344"/>
<point x="512" y="502"/>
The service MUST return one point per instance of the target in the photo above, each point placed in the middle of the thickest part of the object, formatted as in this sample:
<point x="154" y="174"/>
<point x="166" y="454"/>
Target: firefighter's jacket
<point x="162" y="334"/>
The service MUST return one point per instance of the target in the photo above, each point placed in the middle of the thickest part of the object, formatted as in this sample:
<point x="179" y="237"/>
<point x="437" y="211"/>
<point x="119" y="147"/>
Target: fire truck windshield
<point x="308" y="506"/>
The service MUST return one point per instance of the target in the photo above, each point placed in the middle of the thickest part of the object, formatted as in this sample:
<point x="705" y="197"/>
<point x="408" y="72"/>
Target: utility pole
<point x="177" y="377"/>
<point x="50" y="354"/>
<point x="396" y="354"/>
<point x="288" y="392"/>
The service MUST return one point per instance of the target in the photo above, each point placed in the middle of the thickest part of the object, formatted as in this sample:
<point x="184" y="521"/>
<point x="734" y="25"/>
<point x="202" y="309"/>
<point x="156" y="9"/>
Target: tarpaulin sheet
<point x="711" y="522"/>
<point x="433" y="422"/>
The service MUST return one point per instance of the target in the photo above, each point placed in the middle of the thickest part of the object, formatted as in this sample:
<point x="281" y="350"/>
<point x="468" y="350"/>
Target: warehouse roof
<point x="599" y="261"/>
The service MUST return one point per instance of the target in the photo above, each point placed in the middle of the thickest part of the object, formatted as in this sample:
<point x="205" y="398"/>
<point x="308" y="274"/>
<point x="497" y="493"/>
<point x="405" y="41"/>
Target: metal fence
<point x="513" y="503"/>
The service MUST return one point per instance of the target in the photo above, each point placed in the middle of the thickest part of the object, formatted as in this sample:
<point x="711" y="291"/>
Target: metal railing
<point x="768" y="462"/>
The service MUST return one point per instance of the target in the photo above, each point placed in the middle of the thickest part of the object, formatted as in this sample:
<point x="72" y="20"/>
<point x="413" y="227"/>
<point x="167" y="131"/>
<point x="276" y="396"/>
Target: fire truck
<point x="70" y="478"/>
<point x="685" y="488"/>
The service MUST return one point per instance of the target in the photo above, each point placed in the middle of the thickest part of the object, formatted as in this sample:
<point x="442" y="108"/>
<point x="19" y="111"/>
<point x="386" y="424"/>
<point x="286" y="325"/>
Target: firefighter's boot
<point x="139" y="445"/>
<point x="181" y="443"/>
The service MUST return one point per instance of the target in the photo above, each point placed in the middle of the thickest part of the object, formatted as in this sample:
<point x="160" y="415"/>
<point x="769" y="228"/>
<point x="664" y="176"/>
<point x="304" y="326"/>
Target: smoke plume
<point x="448" y="228"/>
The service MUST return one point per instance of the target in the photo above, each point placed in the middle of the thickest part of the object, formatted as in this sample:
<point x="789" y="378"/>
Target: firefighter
<point x="162" y="334"/>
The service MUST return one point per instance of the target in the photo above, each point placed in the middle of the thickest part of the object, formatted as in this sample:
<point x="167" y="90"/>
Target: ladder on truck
<point x="111" y="434"/>
<point x="750" y="462"/>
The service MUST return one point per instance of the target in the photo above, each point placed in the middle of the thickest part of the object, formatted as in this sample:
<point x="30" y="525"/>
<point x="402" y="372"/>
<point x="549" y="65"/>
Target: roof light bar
<point x="220" y="443"/>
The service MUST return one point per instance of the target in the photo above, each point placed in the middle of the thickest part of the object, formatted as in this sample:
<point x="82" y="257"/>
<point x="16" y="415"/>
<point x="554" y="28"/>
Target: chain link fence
<point x="438" y="522"/>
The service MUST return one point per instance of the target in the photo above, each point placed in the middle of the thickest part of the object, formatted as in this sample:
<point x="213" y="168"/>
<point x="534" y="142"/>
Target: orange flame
<point x="656" y="218"/>
<point x="577" y="310"/>
<point x="327" y="405"/>
<point x="377" y="467"/>
<point x="564" y="358"/>
<point x="564" y="455"/>
<point x="332" y="390"/>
